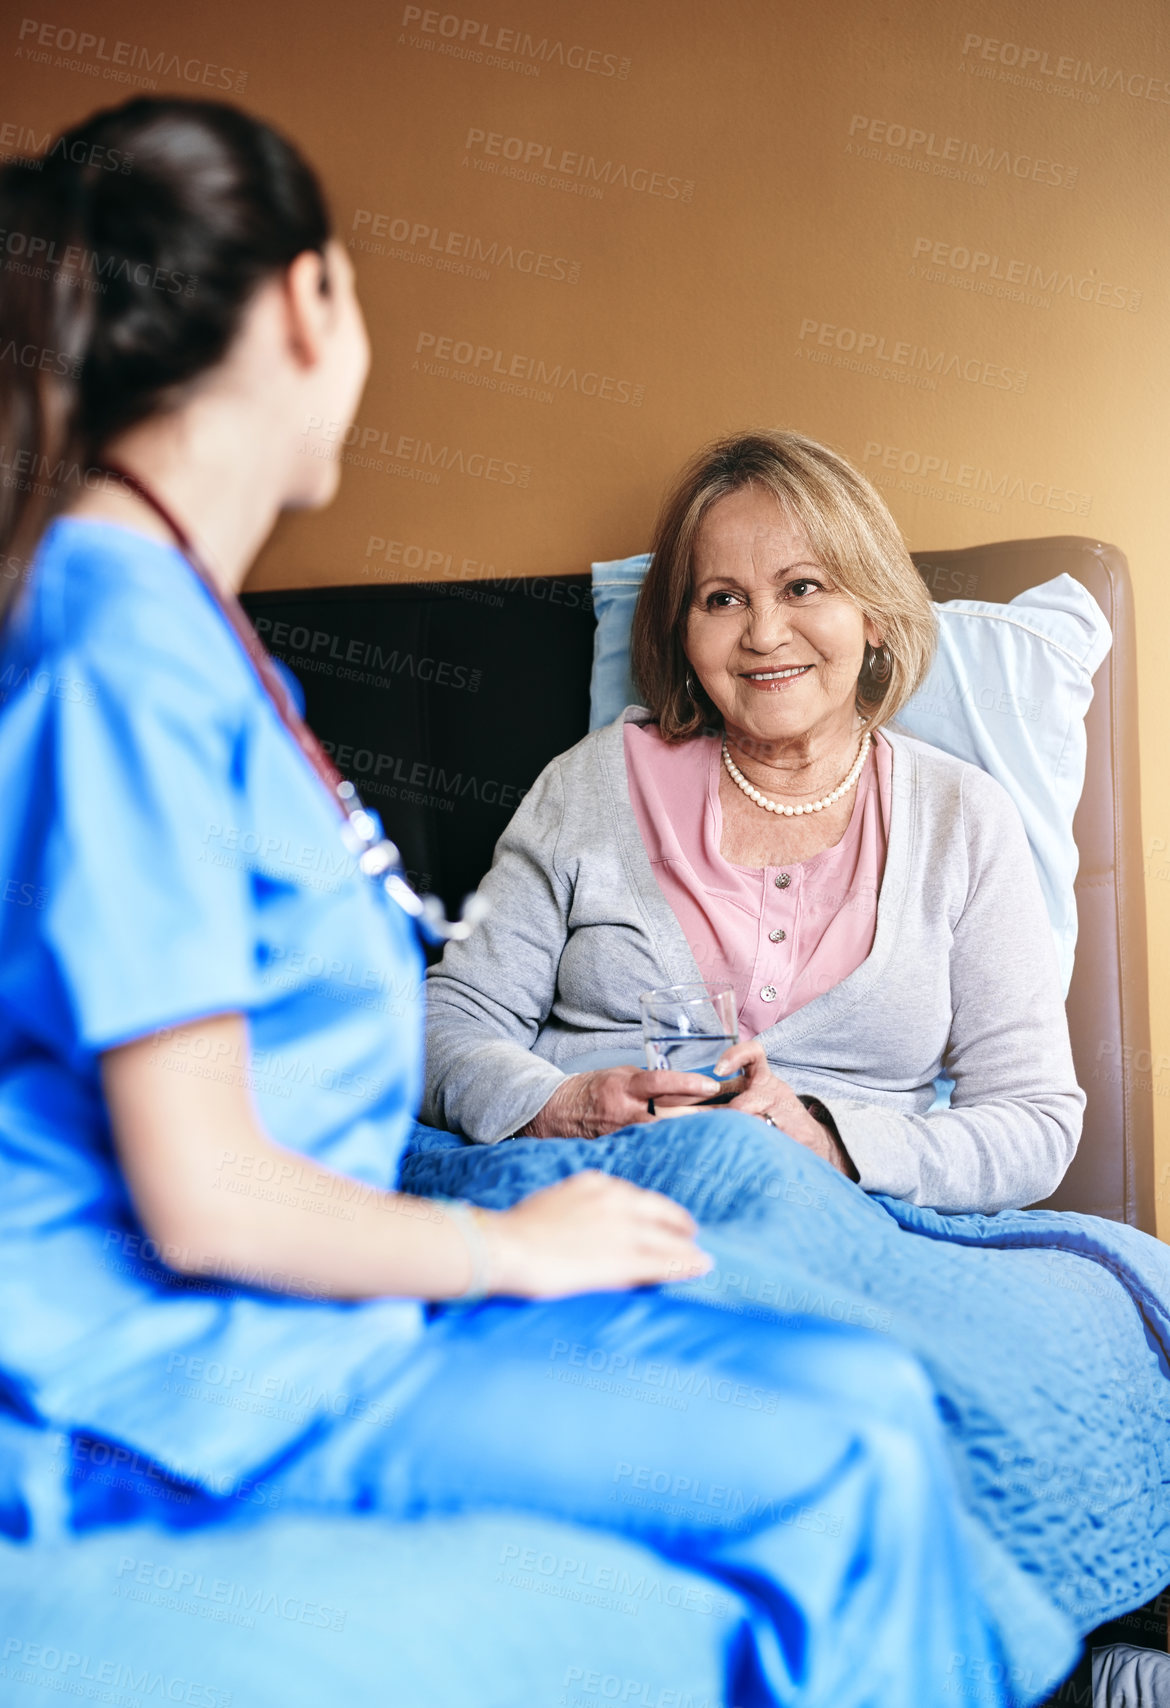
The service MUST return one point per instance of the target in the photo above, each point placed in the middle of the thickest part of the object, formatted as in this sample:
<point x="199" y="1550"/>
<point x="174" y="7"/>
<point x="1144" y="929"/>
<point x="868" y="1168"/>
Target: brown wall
<point x="934" y="235"/>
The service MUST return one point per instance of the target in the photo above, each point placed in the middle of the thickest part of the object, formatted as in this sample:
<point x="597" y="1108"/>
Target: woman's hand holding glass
<point x="765" y="1094"/>
<point x="589" y="1105"/>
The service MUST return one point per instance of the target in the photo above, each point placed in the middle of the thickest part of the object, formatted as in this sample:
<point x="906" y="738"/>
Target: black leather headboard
<point x="443" y="702"/>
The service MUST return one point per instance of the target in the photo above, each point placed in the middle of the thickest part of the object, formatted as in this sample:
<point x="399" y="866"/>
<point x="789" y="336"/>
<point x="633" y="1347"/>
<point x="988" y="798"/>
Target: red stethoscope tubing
<point x="379" y="857"/>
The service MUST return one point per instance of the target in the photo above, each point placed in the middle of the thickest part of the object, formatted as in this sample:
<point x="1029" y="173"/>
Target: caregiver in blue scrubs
<point x="210" y="1021"/>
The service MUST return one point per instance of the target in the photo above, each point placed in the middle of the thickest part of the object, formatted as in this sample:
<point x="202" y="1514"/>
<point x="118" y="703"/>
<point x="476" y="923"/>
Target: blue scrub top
<point x="166" y="853"/>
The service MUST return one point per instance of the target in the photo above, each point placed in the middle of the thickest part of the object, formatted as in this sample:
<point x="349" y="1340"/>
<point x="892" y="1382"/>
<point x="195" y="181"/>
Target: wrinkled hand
<point x="765" y="1094"/>
<point x="591" y="1232"/>
<point x="586" y="1105"/>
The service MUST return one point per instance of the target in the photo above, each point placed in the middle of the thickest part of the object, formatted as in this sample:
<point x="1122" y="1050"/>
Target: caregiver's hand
<point x="217" y="1195"/>
<point x="765" y="1094"/>
<point x="586" y="1105"/>
<point x="590" y="1233"/>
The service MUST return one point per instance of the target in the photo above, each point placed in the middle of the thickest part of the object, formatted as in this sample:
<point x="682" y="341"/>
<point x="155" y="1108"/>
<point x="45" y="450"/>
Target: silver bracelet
<point x="463" y="1215"/>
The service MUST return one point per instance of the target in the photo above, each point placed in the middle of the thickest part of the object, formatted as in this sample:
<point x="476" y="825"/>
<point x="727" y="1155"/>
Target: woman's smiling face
<point x="776" y="645"/>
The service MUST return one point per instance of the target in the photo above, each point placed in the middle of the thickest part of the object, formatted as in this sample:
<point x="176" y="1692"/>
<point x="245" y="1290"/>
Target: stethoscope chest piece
<point x="379" y="858"/>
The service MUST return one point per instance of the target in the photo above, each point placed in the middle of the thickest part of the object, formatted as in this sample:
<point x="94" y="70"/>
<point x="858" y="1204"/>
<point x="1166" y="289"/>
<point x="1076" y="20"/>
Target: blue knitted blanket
<point x="1046" y="1334"/>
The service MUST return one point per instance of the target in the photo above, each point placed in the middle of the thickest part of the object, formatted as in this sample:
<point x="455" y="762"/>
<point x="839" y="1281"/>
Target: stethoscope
<point x="361" y="829"/>
<point x="378" y="857"/>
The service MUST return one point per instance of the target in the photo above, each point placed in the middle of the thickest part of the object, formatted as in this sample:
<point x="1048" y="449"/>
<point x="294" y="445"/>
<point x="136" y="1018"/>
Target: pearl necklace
<point x="754" y="794"/>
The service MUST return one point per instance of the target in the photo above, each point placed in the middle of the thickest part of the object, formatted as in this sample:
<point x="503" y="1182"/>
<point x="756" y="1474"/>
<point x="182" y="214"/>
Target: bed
<point x="414" y="686"/>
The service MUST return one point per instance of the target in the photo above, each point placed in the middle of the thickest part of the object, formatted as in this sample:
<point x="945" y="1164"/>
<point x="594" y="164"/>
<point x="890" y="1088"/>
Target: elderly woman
<point x="875" y="906"/>
<point x="872" y="900"/>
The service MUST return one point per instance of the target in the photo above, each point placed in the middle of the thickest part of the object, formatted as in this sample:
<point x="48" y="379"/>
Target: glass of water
<point x="687" y="1027"/>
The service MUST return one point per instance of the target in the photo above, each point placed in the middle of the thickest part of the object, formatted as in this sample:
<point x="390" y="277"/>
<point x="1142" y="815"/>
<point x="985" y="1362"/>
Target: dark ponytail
<point x="128" y="254"/>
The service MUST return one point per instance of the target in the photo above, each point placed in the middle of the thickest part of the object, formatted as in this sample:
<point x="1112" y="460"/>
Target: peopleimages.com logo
<point x="22" y="142"/>
<point x="927" y="148"/>
<point x="532" y="159"/>
<point x="925" y="358"/>
<point x="986" y="267"/>
<point x="370" y="441"/>
<point x="1065" y="67"/>
<point x="490" y="365"/>
<point x="116" y="61"/>
<point x="475" y="39"/>
<point x="970" y="477"/>
<point x="447" y="250"/>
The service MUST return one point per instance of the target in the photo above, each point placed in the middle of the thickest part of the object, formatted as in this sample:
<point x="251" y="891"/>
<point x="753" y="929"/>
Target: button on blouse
<point x="781" y="936"/>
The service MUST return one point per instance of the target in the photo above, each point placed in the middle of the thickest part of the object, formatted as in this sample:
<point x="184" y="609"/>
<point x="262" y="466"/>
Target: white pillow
<point x="1008" y="690"/>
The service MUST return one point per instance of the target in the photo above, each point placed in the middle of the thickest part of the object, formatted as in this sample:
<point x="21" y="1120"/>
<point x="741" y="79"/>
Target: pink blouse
<point x="780" y="935"/>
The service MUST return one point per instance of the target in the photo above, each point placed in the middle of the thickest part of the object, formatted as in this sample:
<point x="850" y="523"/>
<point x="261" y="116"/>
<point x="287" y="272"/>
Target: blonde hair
<point x="849" y="528"/>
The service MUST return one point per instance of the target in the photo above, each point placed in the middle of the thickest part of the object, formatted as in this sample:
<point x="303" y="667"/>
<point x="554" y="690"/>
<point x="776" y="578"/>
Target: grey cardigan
<point x="962" y="979"/>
